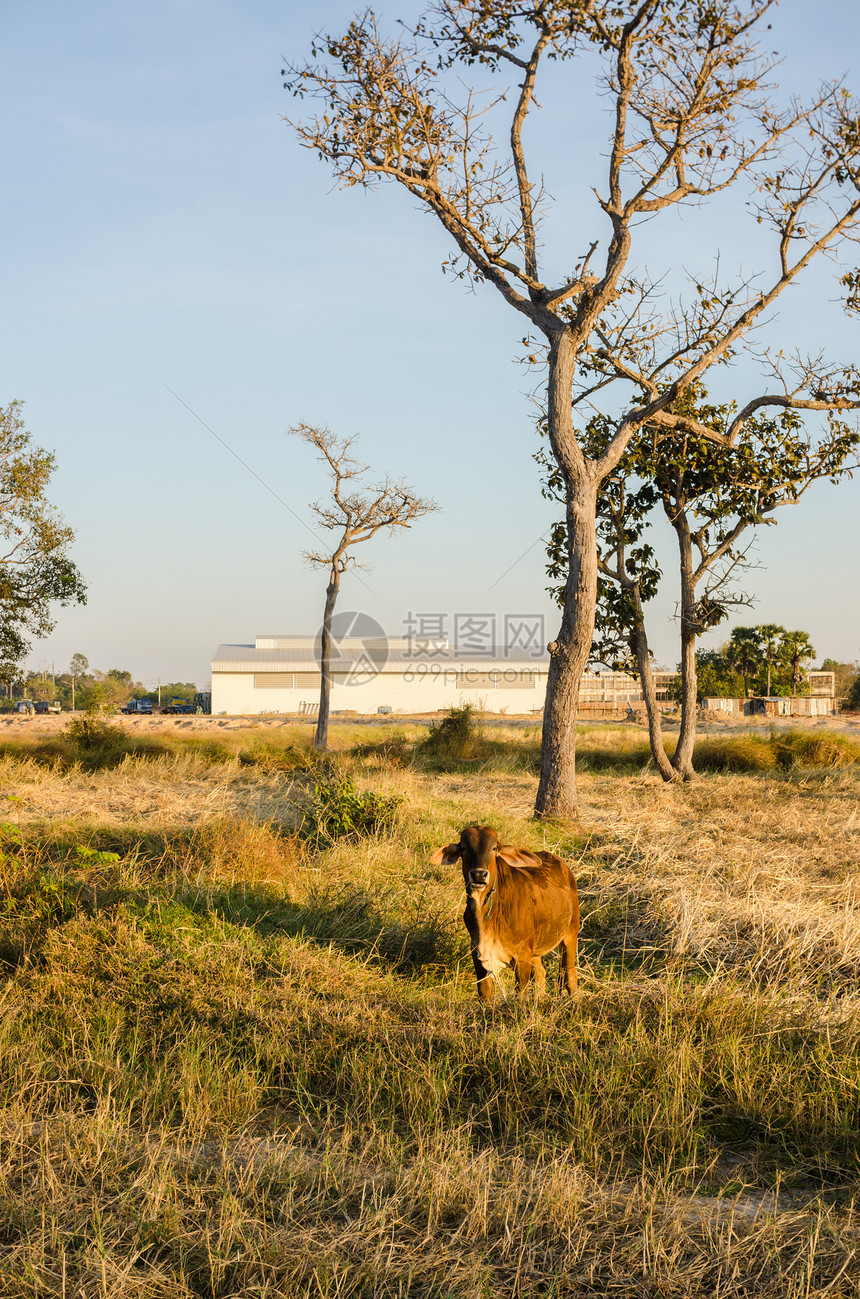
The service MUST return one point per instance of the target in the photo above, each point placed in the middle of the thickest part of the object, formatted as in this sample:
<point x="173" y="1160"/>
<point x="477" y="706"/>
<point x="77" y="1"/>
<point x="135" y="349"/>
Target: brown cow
<point x="520" y="905"/>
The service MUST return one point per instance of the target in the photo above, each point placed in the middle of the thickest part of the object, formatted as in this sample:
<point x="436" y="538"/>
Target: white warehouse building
<point x="281" y="674"/>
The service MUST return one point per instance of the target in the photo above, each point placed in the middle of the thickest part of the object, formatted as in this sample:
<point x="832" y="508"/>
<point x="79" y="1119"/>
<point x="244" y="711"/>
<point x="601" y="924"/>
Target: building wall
<point x="734" y="707"/>
<point x="779" y="706"/>
<point x="236" y="693"/>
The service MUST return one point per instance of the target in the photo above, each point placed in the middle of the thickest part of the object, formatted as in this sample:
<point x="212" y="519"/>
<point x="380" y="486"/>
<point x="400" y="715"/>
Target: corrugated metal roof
<point x="247" y="658"/>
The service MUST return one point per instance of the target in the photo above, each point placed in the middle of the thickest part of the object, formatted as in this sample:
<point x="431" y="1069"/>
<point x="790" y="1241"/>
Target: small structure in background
<point x="718" y="704"/>
<point x="819" y="702"/>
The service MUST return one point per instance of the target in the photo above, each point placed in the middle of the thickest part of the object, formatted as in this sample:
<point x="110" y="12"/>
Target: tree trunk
<point x="321" y="734"/>
<point x="682" y="759"/>
<point x="556" y="796"/>
<point x="649" y="693"/>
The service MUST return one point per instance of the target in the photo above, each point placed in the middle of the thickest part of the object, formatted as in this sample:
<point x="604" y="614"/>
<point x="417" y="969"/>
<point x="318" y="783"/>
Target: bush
<point x="339" y="811"/>
<point x="94" y="742"/>
<point x="92" y="732"/>
<point x="456" y="737"/>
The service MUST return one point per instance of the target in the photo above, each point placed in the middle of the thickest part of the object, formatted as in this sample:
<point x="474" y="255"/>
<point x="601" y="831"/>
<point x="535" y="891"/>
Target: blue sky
<point x="163" y="231"/>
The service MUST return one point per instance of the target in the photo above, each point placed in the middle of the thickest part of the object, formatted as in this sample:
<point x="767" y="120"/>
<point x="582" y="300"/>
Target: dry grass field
<point x="242" y="1056"/>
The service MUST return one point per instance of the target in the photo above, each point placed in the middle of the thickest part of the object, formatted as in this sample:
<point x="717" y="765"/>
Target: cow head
<point x="478" y="848"/>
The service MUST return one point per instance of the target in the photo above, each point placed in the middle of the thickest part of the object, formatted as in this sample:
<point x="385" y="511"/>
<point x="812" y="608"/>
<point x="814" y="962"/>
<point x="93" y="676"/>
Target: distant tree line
<point x="89" y="689"/>
<point x="769" y="660"/>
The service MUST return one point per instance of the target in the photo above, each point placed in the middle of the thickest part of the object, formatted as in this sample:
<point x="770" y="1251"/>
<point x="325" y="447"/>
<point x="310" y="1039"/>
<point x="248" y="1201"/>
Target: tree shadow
<point x="347" y="917"/>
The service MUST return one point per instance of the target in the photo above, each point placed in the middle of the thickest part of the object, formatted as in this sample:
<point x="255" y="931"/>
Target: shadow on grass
<point x="47" y="881"/>
<point x="62" y="752"/>
<point x="347" y="917"/>
<point x="625" y="754"/>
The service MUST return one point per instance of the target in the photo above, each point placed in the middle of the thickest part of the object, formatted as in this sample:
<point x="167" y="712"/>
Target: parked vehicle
<point x="48" y="706"/>
<point x="176" y="706"/>
<point x="137" y="706"/>
<point x="25" y="706"/>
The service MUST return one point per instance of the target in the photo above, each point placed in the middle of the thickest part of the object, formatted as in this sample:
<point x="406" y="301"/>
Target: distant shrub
<point x="339" y="811"/>
<point x="457" y="737"/>
<point x="96" y="743"/>
<point x="91" y="732"/>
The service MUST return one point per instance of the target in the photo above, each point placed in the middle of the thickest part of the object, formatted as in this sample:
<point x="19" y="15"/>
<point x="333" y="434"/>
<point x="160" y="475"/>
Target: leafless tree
<point x="692" y="116"/>
<point x="354" y="513"/>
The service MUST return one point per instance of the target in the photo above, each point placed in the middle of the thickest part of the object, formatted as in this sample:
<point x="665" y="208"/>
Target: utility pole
<point x="159" y="692"/>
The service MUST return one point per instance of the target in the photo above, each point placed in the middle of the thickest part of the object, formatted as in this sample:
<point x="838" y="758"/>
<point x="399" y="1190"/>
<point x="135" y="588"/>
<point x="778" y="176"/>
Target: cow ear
<point x="518" y="857"/>
<point x="447" y="855"/>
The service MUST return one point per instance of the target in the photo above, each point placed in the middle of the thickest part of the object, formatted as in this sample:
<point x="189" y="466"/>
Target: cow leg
<point x="567" y="967"/>
<point x="522" y="964"/>
<point x="484" y="980"/>
<point x="538" y="976"/>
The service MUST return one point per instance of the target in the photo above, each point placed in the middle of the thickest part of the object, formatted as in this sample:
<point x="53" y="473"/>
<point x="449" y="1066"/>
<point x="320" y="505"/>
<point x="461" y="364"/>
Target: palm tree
<point x="795" y="649"/>
<point x="745" y="653"/>
<point x="770" y="636"/>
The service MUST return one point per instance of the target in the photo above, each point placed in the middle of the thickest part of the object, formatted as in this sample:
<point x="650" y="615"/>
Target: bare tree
<point x="354" y="513"/>
<point x="691" y="118"/>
